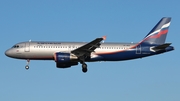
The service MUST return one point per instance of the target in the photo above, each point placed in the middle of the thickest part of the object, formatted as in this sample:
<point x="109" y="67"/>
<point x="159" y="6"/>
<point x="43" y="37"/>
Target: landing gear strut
<point x="27" y="66"/>
<point x="84" y="67"/>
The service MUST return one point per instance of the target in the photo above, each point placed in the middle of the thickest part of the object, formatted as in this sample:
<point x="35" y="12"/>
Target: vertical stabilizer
<point x="158" y="34"/>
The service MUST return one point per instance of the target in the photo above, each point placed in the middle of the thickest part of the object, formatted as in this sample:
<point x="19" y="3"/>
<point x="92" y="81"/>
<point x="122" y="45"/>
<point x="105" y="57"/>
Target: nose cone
<point x="8" y="53"/>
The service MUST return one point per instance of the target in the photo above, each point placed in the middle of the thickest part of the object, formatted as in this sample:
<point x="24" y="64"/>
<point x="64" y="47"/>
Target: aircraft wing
<point x="86" y="49"/>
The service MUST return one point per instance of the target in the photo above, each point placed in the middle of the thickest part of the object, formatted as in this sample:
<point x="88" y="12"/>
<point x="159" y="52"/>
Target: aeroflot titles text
<point x="48" y="43"/>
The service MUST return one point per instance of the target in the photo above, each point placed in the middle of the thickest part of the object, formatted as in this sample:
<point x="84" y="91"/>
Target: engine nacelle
<point x="64" y="57"/>
<point x="66" y="65"/>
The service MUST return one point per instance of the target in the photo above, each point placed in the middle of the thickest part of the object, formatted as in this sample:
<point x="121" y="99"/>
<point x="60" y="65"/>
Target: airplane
<point x="67" y="54"/>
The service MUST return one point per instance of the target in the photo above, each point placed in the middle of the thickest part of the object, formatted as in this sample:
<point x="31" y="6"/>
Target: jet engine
<point x="60" y="57"/>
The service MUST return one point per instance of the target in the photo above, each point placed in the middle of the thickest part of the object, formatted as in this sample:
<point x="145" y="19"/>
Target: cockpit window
<point x="15" y="46"/>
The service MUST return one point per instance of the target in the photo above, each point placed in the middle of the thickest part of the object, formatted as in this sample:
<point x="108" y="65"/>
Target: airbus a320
<point x="67" y="54"/>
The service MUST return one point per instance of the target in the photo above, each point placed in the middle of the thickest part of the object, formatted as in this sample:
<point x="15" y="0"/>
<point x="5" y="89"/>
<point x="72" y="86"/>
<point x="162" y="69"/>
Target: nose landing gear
<point x="27" y="66"/>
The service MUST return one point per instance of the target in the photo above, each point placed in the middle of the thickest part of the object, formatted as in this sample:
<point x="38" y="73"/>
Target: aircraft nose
<point x="8" y="53"/>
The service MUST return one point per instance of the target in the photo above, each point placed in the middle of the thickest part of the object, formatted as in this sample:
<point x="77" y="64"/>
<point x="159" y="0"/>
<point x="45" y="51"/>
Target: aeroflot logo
<point x="48" y="43"/>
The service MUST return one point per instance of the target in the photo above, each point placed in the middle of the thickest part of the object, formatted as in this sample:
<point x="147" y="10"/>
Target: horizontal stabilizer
<point x="160" y="47"/>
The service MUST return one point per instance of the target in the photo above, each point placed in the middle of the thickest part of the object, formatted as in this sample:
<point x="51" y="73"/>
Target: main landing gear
<point x="84" y="67"/>
<point x="27" y="66"/>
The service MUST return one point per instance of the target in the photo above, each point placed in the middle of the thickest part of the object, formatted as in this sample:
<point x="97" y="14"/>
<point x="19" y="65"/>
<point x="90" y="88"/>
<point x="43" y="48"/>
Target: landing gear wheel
<point x="84" y="68"/>
<point x="26" y="67"/>
<point x="84" y="65"/>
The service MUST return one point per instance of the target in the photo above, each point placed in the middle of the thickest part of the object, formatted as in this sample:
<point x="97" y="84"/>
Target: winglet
<point x="104" y="37"/>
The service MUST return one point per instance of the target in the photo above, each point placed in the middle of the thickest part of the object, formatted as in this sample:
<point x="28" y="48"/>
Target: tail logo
<point x="158" y="33"/>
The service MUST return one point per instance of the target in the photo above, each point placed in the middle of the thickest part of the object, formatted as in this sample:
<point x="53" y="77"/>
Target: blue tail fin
<point x="158" y="34"/>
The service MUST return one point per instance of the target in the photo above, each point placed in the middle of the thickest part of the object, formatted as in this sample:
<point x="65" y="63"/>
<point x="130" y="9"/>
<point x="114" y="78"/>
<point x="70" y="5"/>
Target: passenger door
<point x="138" y="49"/>
<point x="27" y="47"/>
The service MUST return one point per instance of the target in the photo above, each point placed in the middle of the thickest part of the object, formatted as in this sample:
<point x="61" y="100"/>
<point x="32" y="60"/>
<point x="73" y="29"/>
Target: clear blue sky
<point x="153" y="78"/>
